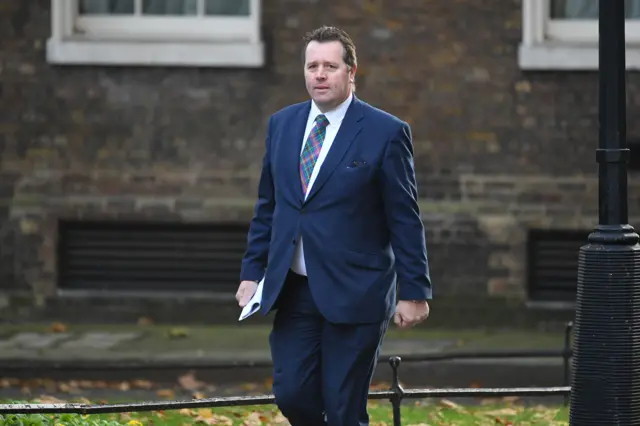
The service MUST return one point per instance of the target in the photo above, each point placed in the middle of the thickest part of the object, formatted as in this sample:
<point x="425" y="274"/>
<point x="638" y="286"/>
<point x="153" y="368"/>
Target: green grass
<point x="419" y="414"/>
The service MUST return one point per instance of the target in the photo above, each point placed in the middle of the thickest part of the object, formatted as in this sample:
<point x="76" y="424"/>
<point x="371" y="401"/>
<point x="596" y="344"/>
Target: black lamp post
<point x="606" y="380"/>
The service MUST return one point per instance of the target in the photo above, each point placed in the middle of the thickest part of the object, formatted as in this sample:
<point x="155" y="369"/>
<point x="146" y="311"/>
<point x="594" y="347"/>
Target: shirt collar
<point x="334" y="116"/>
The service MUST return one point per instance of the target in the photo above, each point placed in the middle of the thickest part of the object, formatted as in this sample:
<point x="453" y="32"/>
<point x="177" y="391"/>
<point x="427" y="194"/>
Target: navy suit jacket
<point x="360" y="223"/>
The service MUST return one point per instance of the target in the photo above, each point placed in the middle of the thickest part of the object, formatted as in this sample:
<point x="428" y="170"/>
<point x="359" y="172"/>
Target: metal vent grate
<point x="142" y="256"/>
<point x="553" y="264"/>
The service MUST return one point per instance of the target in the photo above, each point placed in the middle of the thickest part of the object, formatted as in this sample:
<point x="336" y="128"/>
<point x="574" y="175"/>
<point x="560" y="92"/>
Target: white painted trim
<point x="167" y="28"/>
<point x="552" y="44"/>
<point x="122" y="53"/>
<point x="585" y="31"/>
<point x="568" y="57"/>
<point x="532" y="22"/>
<point x="220" y="41"/>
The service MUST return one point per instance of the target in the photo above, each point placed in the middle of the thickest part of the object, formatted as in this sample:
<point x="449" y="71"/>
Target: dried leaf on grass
<point x="255" y="419"/>
<point x="206" y="416"/>
<point x="452" y="406"/>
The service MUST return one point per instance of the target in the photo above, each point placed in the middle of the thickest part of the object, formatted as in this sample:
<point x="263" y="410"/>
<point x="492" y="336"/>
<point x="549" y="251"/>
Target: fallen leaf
<point x="187" y="412"/>
<point x="48" y="399"/>
<point x="58" y="327"/>
<point x="189" y="382"/>
<point x="125" y="416"/>
<point x="214" y="420"/>
<point x="254" y="419"/>
<point x="68" y="388"/>
<point x="177" y="333"/>
<point x="380" y="386"/>
<point x="280" y="419"/>
<point x="205" y="412"/>
<point x="145" y="321"/>
<point x="141" y="384"/>
<point x="502" y="412"/>
<point x="166" y="393"/>
<point x="249" y="386"/>
<point x="452" y="405"/>
<point x="8" y="383"/>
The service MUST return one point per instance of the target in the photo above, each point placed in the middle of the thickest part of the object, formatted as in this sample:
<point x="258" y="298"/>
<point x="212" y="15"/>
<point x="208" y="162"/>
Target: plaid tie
<point x="312" y="150"/>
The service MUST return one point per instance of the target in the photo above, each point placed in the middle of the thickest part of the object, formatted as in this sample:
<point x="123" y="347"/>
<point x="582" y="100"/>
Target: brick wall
<point x="497" y="150"/>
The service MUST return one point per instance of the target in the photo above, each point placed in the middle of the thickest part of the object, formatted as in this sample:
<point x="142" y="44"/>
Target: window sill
<point x="568" y="57"/>
<point x="155" y="53"/>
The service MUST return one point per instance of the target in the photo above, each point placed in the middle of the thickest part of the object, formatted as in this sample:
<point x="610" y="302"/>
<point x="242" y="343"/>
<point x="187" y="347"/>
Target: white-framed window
<point x="215" y="33"/>
<point x="563" y="34"/>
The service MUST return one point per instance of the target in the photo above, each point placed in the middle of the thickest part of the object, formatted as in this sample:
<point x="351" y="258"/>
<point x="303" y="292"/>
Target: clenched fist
<point x="409" y="313"/>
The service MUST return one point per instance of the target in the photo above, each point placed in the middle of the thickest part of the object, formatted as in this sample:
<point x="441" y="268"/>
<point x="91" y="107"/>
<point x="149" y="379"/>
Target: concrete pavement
<point x="222" y="354"/>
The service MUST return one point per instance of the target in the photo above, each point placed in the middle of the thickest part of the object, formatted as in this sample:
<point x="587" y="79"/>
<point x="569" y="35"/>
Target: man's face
<point x="327" y="77"/>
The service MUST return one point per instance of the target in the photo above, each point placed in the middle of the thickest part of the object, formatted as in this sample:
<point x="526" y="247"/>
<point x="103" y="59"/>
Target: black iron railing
<point x="396" y="394"/>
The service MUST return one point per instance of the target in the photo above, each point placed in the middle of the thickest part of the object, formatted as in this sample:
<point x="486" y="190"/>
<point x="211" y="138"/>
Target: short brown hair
<point x="326" y="33"/>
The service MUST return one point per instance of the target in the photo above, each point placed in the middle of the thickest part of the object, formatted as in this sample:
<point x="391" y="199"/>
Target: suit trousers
<point x="322" y="371"/>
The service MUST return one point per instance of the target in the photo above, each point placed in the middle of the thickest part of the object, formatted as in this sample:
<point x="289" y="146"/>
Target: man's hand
<point x="409" y="313"/>
<point x="245" y="292"/>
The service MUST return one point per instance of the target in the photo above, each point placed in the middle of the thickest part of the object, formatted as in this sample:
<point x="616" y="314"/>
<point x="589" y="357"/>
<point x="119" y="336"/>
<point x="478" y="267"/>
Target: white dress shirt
<point x="335" y="118"/>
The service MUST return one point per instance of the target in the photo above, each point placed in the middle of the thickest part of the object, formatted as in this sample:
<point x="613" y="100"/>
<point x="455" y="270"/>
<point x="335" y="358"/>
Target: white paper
<point x="254" y="304"/>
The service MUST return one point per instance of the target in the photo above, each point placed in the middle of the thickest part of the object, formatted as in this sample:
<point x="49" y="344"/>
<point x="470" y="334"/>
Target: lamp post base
<point x="606" y="380"/>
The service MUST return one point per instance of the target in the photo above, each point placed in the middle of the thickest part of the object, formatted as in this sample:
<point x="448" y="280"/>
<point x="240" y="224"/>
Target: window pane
<point x="588" y="9"/>
<point x="170" y="7"/>
<point x="227" y="7"/>
<point x="108" y="7"/>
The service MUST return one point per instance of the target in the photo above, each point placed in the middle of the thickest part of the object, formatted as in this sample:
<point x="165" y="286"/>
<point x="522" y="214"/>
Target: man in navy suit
<point x="337" y="235"/>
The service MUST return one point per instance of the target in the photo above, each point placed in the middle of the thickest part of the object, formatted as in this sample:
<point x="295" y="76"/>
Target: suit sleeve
<point x="400" y="198"/>
<point x="254" y="262"/>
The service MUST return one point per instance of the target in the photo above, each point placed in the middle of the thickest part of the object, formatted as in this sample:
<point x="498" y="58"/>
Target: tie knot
<point x="321" y="121"/>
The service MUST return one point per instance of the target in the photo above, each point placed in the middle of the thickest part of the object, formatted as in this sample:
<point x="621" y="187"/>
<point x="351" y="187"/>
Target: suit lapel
<point x="349" y="129"/>
<point x="292" y="161"/>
